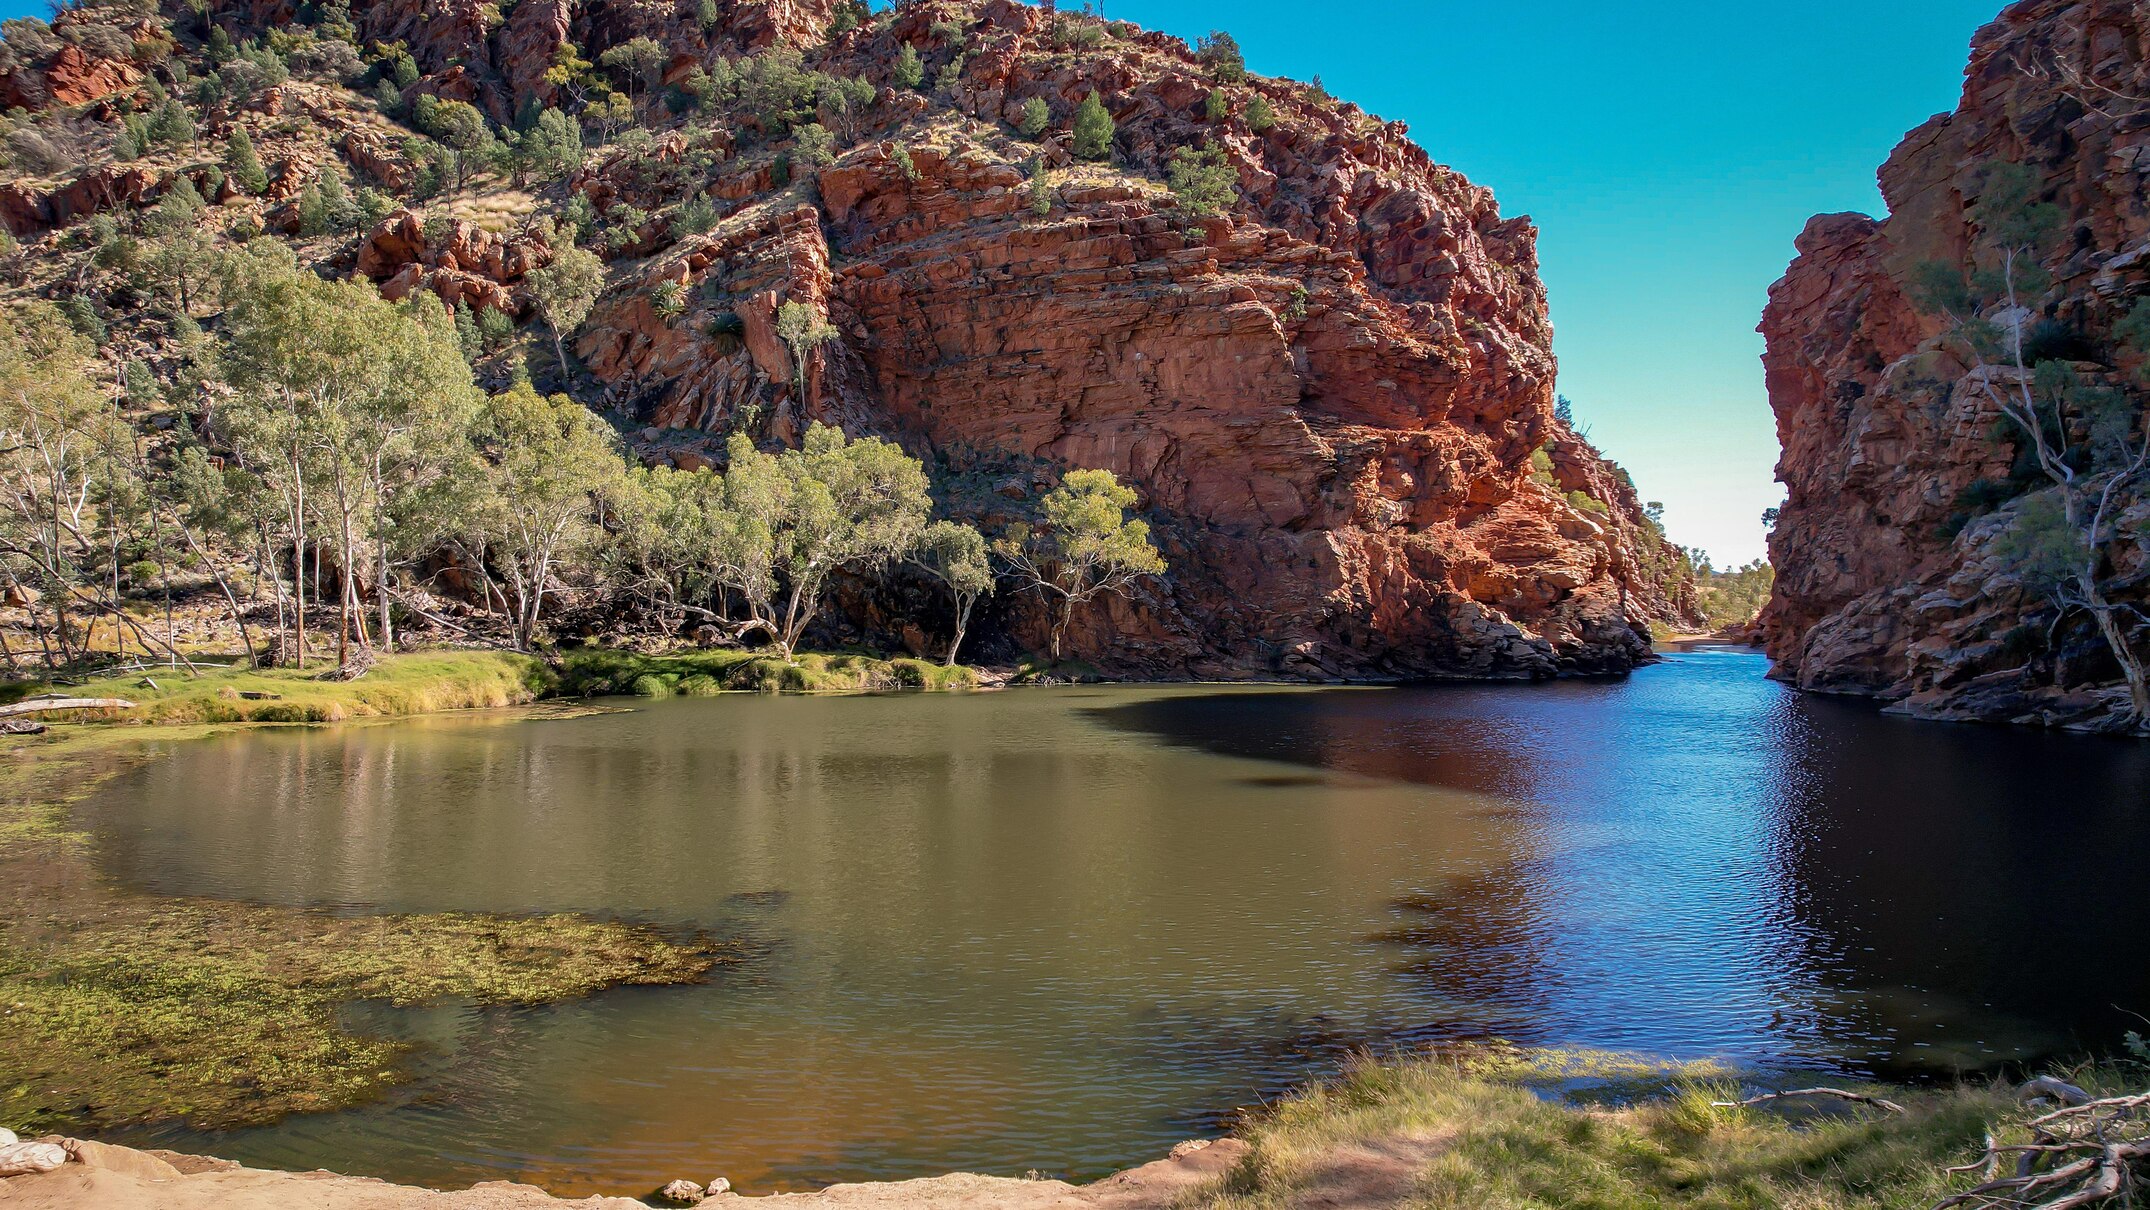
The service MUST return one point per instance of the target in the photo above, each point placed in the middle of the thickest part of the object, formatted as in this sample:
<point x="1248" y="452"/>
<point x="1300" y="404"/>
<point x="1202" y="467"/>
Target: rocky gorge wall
<point x="1335" y="399"/>
<point x="1901" y="475"/>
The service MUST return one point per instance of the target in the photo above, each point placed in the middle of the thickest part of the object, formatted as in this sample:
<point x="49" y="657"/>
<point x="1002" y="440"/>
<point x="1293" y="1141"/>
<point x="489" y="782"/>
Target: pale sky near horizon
<point x="1669" y="153"/>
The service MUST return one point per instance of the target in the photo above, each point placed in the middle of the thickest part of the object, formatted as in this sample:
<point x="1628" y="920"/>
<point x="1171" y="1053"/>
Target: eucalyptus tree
<point x="792" y="519"/>
<point x="955" y="554"/>
<point x="551" y="467"/>
<point x="1083" y="546"/>
<point x="2086" y="437"/>
<point x="346" y="405"/>
<point x="54" y="429"/>
<point x="564" y="292"/>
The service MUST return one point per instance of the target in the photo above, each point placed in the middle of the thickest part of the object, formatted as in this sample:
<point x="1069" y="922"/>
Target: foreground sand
<point x="121" y="1178"/>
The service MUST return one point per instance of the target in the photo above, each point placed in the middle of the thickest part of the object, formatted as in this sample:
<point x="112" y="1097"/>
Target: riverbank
<point x="429" y="682"/>
<point x="1493" y="1127"/>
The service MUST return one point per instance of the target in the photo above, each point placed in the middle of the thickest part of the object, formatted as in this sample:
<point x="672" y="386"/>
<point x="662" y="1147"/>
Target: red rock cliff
<point x="1328" y="398"/>
<point x="1335" y="398"/>
<point x="1900" y="475"/>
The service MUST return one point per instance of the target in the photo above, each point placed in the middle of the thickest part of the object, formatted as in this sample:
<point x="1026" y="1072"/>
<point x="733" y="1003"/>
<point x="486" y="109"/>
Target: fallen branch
<point x="53" y="701"/>
<point x="1839" y="1093"/>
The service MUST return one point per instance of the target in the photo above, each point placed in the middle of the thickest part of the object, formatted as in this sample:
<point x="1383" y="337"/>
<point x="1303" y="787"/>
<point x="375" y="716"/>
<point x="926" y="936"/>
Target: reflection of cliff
<point x="1432" y="738"/>
<point x="1960" y="884"/>
<point x="1475" y="944"/>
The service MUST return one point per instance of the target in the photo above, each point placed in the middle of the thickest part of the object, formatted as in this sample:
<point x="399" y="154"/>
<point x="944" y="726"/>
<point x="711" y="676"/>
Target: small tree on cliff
<point x="954" y="554"/>
<point x="1202" y="182"/>
<point x="802" y="331"/>
<point x="564" y="292"/>
<point x="1093" y="129"/>
<point x="1084" y="546"/>
<point x="2086" y="438"/>
<point x="910" y="70"/>
<point x="242" y="165"/>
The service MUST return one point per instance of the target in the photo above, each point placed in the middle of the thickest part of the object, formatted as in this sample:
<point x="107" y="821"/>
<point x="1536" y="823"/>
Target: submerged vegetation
<point x="119" y="1008"/>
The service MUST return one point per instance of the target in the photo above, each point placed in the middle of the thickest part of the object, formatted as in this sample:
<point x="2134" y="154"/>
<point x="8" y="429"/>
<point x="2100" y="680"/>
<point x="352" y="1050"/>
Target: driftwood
<point x="20" y="726"/>
<point x="54" y="701"/>
<point x="2090" y="1151"/>
<point x="1841" y="1094"/>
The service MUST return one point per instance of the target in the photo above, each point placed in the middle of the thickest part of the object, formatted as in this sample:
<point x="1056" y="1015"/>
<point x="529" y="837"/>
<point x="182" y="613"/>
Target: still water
<point x="1061" y="929"/>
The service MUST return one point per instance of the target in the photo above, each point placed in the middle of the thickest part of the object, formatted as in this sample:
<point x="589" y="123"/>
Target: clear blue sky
<point x="1669" y="153"/>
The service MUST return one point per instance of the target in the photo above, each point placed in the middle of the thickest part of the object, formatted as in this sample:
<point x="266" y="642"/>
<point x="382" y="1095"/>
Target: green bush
<point x="650" y="685"/>
<point x="699" y="685"/>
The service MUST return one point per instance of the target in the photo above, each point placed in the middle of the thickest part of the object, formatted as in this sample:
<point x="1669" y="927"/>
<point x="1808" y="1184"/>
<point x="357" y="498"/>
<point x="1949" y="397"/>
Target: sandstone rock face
<point x="459" y="261"/>
<point x="1898" y="468"/>
<point x="1328" y="399"/>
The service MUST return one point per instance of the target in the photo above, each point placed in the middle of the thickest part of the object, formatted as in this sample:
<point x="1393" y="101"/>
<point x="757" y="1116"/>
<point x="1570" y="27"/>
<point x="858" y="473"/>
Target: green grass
<point x="432" y="681"/>
<point x="599" y="673"/>
<point x="1491" y="1132"/>
<point x="397" y="685"/>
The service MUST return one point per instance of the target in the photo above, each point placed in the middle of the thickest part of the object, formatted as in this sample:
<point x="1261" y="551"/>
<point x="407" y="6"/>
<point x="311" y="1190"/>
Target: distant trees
<point x="2085" y="438"/>
<point x="1083" y="546"/>
<point x="1734" y="597"/>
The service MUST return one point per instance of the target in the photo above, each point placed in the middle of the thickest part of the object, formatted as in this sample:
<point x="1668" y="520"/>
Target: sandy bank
<point x="122" y="1178"/>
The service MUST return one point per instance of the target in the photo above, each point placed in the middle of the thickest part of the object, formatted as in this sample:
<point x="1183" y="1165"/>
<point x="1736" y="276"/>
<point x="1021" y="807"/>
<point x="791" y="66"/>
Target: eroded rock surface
<point x="1901" y="474"/>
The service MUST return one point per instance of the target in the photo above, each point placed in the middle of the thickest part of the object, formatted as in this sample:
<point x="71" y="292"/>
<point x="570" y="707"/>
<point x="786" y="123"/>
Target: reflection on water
<point x="1061" y="929"/>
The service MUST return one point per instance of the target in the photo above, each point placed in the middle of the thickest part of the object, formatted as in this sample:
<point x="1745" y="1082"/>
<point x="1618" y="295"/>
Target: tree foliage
<point x="1083" y="546"/>
<point x="1202" y="182"/>
<point x="564" y="291"/>
<point x="1093" y="129"/>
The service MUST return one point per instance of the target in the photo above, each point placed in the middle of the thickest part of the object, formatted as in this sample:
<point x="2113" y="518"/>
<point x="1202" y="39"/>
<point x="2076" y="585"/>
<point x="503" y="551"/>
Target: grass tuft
<point x="1491" y="1130"/>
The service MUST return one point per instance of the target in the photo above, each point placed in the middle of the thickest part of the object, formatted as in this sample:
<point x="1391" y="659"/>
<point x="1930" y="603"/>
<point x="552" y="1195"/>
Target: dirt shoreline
<point x="123" y="1178"/>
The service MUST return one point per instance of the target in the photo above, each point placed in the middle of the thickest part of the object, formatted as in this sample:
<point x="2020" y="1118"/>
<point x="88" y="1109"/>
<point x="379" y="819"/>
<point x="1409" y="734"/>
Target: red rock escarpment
<point x="1328" y="399"/>
<point x="1888" y="583"/>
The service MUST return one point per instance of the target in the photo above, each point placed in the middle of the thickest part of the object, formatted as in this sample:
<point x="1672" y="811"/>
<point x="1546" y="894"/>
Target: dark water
<point x="1061" y="929"/>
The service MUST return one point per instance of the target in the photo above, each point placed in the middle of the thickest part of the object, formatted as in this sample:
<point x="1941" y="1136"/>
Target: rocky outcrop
<point x="1328" y="398"/>
<point x="459" y="261"/>
<point x="1901" y="475"/>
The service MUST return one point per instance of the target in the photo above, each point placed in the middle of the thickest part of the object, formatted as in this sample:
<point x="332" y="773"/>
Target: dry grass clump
<point x="1491" y="1133"/>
